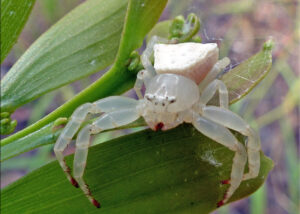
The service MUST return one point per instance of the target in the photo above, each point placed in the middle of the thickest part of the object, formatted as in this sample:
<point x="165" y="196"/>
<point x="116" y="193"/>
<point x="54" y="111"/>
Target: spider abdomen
<point x="192" y="60"/>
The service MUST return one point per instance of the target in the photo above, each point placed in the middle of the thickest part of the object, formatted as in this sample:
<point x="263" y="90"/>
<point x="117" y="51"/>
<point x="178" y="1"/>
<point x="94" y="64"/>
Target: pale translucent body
<point x="193" y="60"/>
<point x="170" y="99"/>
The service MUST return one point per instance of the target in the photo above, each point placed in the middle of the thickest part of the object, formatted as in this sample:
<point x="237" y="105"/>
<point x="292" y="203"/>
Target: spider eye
<point x="172" y="101"/>
<point x="148" y="97"/>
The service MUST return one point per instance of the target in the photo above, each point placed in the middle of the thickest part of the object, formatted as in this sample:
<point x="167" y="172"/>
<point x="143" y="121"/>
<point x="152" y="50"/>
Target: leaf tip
<point x="268" y="45"/>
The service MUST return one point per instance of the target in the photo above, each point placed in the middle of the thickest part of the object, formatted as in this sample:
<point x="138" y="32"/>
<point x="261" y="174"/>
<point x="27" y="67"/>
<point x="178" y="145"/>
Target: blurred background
<point x="240" y="27"/>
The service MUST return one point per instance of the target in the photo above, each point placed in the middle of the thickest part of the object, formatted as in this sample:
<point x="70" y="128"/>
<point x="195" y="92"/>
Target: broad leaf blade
<point x="178" y="171"/>
<point x="244" y="77"/>
<point x="14" y="14"/>
<point x="81" y="43"/>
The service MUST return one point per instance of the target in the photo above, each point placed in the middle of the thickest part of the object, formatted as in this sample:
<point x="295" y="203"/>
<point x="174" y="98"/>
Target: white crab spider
<point x="178" y="88"/>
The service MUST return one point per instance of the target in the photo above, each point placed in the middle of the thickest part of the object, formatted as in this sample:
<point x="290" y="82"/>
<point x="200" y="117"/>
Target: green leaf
<point x="141" y="17"/>
<point x="85" y="41"/>
<point x="161" y="29"/>
<point x="14" y="14"/>
<point x="244" y="77"/>
<point x="177" y="171"/>
<point x="118" y="79"/>
<point x="46" y="135"/>
<point x="42" y="137"/>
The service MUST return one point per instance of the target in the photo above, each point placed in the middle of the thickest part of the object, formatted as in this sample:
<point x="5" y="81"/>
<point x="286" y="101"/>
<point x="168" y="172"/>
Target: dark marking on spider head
<point x="159" y="126"/>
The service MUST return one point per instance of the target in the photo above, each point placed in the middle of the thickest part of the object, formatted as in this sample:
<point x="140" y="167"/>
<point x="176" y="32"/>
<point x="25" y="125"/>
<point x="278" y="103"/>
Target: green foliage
<point x="7" y="124"/>
<point x="243" y="78"/>
<point x="44" y="136"/>
<point x="117" y="80"/>
<point x="14" y="14"/>
<point x="183" y="31"/>
<point x="178" y="171"/>
<point x="66" y="52"/>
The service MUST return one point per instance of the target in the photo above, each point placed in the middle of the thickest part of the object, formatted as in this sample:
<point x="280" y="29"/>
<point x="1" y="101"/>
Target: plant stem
<point x="116" y="81"/>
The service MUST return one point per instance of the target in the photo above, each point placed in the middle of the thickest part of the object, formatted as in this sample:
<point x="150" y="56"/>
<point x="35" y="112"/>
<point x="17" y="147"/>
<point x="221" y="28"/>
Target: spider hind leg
<point x="223" y="136"/>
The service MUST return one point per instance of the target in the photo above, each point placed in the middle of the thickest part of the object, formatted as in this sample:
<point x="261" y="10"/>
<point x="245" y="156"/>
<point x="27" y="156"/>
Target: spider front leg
<point x="214" y="72"/>
<point x="235" y="122"/>
<point x="68" y="133"/>
<point x="148" y="52"/>
<point x="105" y="105"/>
<point x="107" y="121"/>
<point x="210" y="85"/>
<point x="143" y="77"/>
<point x="211" y="89"/>
<point x="223" y="136"/>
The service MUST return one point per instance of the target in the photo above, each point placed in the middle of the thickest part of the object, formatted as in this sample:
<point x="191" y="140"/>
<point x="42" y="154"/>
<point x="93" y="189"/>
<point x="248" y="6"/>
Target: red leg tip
<point x="225" y="182"/>
<point x="220" y="203"/>
<point x="96" y="203"/>
<point x="74" y="182"/>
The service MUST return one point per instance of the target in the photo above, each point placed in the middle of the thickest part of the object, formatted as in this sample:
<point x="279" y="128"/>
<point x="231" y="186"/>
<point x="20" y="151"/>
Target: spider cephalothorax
<point x="178" y="87"/>
<point x="165" y="101"/>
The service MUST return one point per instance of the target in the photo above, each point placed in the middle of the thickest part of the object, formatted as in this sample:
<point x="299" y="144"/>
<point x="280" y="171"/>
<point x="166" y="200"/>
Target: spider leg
<point x="149" y="72"/>
<point x="211" y="89"/>
<point x="213" y="73"/>
<point x="223" y="136"/>
<point x="66" y="136"/>
<point x="106" y="121"/>
<point x="143" y="76"/>
<point x="145" y="58"/>
<point x="235" y="122"/>
<point x="105" y="105"/>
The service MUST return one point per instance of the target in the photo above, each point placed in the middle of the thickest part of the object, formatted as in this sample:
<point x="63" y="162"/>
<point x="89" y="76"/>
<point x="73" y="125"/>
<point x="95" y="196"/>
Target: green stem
<point x="116" y="81"/>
